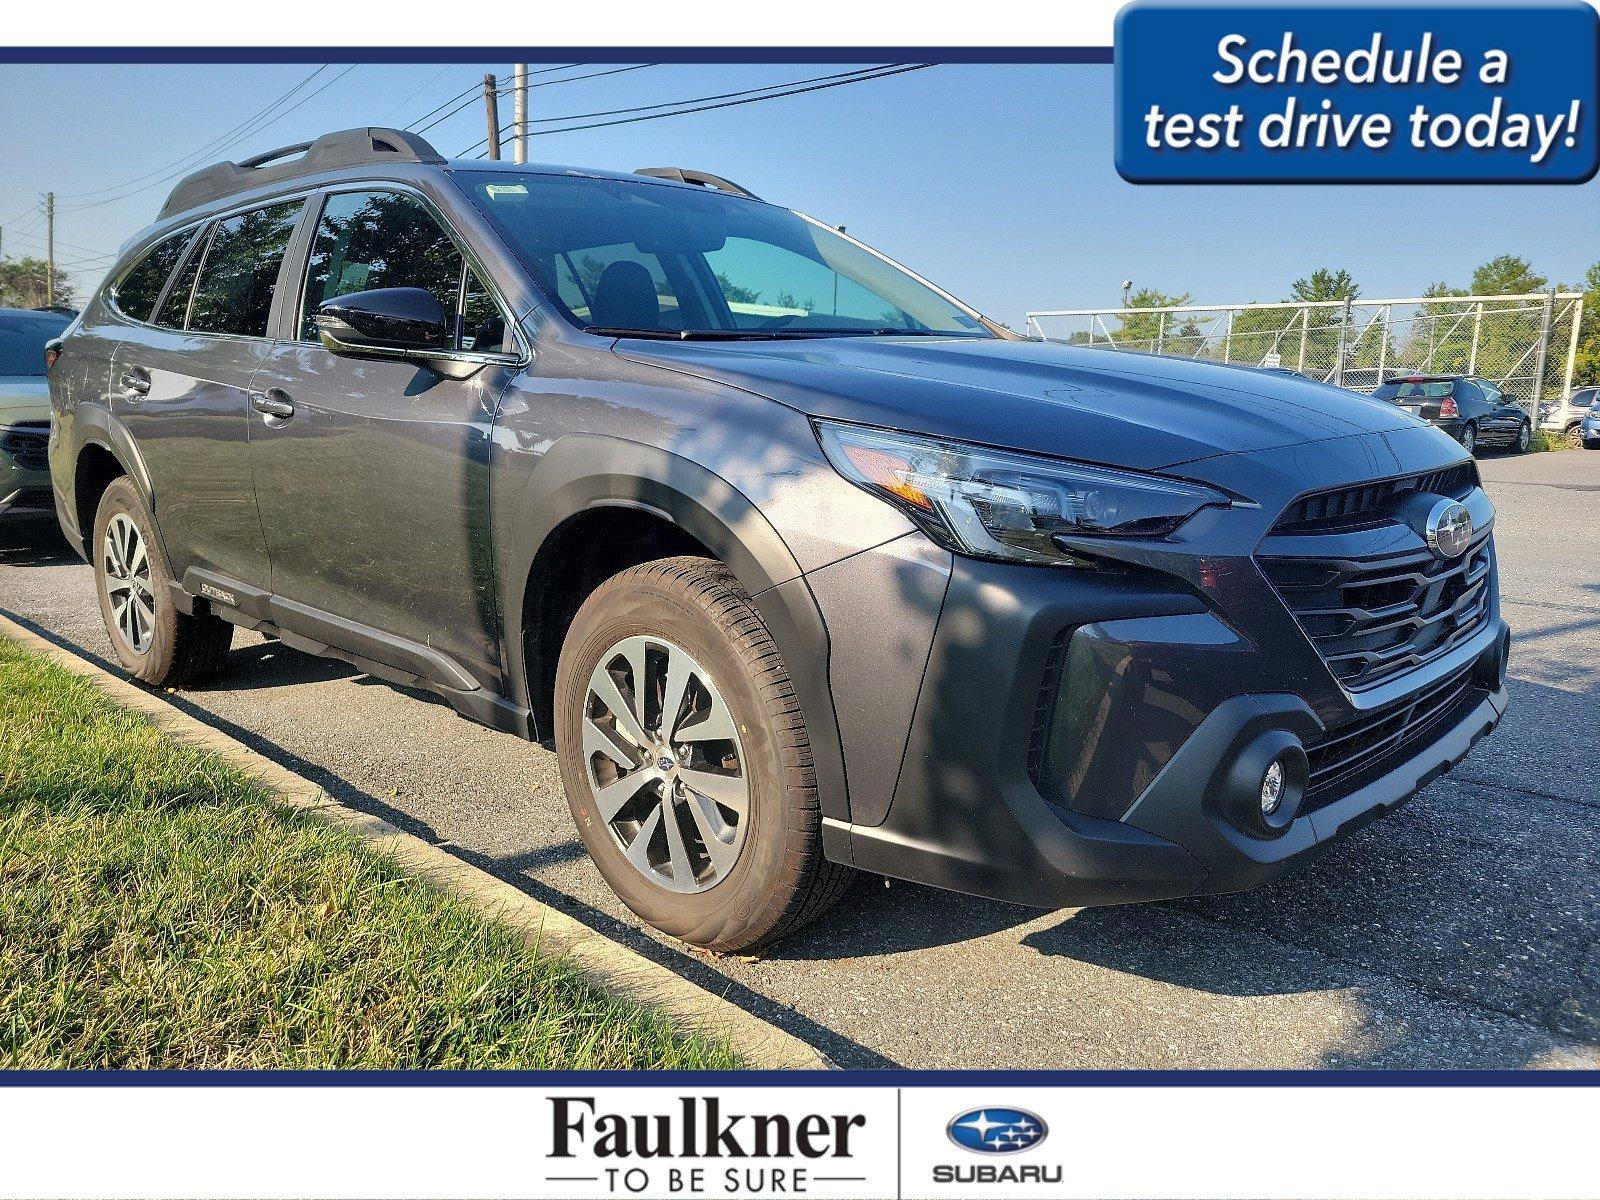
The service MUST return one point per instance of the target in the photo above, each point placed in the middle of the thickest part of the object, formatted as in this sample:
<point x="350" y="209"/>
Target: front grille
<point x="1346" y="507"/>
<point x="1372" y="619"/>
<point x="1342" y="758"/>
<point x="1375" y="615"/>
<point x="28" y="445"/>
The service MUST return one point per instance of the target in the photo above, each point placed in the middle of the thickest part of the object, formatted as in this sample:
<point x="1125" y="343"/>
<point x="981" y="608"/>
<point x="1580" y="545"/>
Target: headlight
<point x="1003" y="505"/>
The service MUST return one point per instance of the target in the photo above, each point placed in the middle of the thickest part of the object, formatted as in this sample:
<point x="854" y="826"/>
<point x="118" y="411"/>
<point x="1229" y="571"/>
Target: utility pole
<point x="519" y="112"/>
<point x="491" y="106"/>
<point x="50" y="249"/>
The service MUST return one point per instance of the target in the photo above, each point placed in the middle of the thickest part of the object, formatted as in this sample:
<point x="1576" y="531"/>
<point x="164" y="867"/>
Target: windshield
<point x="22" y="339"/>
<point x="1414" y="389"/>
<point x="670" y="261"/>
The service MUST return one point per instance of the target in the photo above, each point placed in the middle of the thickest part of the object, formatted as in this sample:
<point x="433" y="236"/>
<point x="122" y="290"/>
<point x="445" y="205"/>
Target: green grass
<point x="158" y="909"/>
<point x="1543" y="440"/>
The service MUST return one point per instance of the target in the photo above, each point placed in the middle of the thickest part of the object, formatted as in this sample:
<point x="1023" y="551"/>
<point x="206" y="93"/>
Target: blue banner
<point x="1357" y="93"/>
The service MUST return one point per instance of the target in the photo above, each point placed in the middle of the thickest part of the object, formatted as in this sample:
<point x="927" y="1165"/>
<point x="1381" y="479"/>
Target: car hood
<point x="1106" y="406"/>
<point x="23" y="398"/>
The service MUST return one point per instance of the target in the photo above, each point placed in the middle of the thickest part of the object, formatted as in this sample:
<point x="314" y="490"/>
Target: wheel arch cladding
<point x="585" y="483"/>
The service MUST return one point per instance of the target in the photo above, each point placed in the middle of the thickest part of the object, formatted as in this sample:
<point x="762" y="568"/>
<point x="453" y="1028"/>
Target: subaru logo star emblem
<point x="1449" y="529"/>
<point x="996" y="1130"/>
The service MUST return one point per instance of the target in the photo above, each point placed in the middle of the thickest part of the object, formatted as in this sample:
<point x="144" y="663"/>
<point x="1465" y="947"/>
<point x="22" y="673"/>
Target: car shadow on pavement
<point x="33" y="541"/>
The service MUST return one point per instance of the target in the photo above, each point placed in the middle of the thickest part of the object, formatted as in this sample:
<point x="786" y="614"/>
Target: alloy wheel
<point x="1524" y="438"/>
<point x="665" y="764"/>
<point x="126" y="560"/>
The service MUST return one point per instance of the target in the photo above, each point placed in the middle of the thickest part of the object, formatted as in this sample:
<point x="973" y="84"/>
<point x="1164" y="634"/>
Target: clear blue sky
<point x="995" y="181"/>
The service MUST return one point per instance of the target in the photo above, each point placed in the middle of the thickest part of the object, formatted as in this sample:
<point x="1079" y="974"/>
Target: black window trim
<point x="137" y="260"/>
<point x="206" y="225"/>
<point x="210" y="236"/>
<point x="470" y="261"/>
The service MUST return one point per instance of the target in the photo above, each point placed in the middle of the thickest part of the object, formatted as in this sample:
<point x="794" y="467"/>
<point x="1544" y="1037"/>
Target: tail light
<point x="1447" y="407"/>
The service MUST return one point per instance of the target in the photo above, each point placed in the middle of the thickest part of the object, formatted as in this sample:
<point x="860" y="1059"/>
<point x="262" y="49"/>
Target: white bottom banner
<point x="683" y="1139"/>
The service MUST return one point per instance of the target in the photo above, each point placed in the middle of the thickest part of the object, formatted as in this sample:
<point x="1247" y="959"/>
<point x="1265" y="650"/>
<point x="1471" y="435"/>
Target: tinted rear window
<point x="137" y="292"/>
<point x="22" y="339"/>
<point x="1427" y="389"/>
<point x="240" y="273"/>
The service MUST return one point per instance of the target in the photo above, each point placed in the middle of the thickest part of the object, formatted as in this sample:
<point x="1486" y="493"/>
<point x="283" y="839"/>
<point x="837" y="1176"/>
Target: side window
<point x="175" y="308"/>
<point x="240" y="273"/>
<point x="1467" y="390"/>
<point x="378" y="240"/>
<point x="483" y="326"/>
<point x="136" y="293"/>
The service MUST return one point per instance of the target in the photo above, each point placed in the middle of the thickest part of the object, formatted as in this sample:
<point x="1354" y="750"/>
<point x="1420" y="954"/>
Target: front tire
<point x="1524" y="437"/>
<point x="1575" y="438"/>
<point x="157" y="643"/>
<point x="685" y="759"/>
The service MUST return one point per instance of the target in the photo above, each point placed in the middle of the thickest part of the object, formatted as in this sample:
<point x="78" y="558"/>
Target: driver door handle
<point x="274" y="402"/>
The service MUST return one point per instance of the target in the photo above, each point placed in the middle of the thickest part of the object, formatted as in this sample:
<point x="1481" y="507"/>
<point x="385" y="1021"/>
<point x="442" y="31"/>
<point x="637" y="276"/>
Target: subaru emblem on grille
<point x="1449" y="529"/>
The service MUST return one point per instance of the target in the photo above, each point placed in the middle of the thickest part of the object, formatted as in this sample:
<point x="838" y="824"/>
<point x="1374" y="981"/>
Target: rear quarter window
<point x="136" y="293"/>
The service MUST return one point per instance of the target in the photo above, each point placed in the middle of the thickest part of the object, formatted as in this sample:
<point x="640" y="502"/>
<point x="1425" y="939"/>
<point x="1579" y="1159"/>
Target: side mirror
<point x="401" y="322"/>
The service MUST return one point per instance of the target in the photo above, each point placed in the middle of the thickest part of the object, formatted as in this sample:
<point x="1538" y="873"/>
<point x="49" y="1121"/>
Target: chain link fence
<point x="1524" y="344"/>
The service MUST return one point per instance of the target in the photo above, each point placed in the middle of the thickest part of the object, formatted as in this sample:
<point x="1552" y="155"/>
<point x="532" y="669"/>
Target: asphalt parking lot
<point x="1462" y="932"/>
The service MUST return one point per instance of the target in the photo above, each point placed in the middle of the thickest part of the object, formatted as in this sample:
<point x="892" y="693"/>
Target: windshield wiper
<point x="691" y="335"/>
<point x="756" y="335"/>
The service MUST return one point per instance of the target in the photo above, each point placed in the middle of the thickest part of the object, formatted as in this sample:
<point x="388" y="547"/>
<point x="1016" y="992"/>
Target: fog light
<point x="1272" y="788"/>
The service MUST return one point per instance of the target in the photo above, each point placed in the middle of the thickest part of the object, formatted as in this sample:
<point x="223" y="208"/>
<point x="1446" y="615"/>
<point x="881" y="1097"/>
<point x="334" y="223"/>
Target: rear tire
<point x="157" y="643"/>
<point x="685" y="625"/>
<point x="1469" y="439"/>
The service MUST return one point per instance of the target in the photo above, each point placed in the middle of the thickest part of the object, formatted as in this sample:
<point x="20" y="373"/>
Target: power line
<point x="612" y="112"/>
<point x="205" y="149"/>
<point x="438" y="75"/>
<point x="864" y="76"/>
<point x="476" y="90"/>
<point x="309" y="96"/>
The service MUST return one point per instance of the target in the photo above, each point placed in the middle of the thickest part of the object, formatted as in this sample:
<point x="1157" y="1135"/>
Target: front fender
<point x="581" y="472"/>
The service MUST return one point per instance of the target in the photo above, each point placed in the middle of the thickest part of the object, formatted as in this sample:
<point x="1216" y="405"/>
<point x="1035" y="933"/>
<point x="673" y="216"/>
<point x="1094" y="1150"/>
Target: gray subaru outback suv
<point x="802" y="564"/>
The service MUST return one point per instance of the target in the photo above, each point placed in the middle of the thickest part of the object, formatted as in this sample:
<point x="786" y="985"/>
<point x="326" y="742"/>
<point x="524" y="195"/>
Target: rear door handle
<point x="135" y="382"/>
<point x="274" y="402"/>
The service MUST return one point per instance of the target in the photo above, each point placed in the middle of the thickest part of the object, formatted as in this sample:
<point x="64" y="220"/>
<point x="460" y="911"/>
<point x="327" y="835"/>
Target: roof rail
<point x="703" y="178"/>
<point x="347" y="148"/>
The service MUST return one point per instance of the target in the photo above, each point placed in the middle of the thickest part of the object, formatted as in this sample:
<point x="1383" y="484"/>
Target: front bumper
<point x="1135" y="808"/>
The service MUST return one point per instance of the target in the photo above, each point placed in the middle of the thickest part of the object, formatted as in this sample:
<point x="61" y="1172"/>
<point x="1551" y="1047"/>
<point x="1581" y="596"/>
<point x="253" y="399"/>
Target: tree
<point x="1506" y="275"/>
<point x="1145" y="330"/>
<point x="1325" y="284"/>
<point x="22" y="284"/>
<point x="1588" y="363"/>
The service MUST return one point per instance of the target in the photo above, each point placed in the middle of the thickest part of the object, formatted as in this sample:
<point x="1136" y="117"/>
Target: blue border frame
<point x="898" y="1078"/>
<point x="890" y="1078"/>
<point x="549" y="54"/>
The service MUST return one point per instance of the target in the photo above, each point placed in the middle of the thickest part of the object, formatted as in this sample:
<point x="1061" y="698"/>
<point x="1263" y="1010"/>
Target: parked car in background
<point x="25" y="408"/>
<point x="1567" y="419"/>
<point x="1588" y="432"/>
<point x="804" y="565"/>
<point x="1473" y="411"/>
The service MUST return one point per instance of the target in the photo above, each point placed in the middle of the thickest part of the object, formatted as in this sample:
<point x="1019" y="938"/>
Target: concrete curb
<point x="608" y="964"/>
